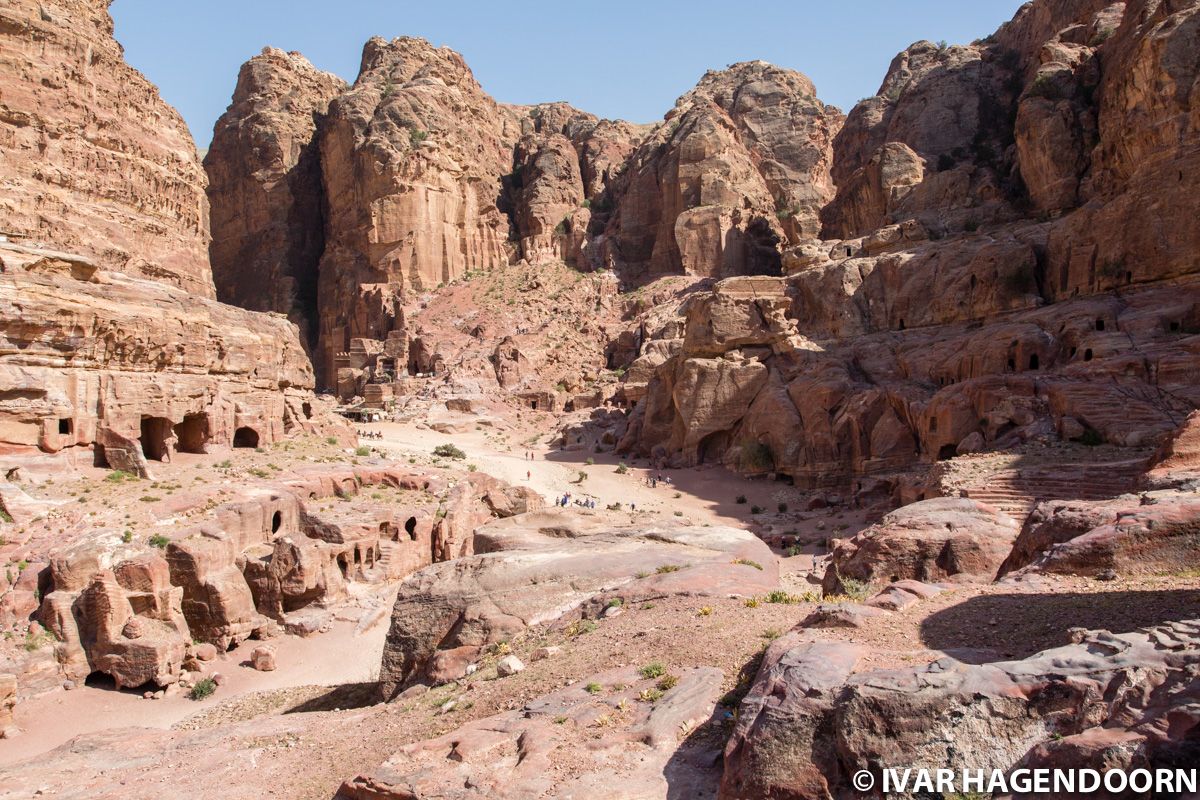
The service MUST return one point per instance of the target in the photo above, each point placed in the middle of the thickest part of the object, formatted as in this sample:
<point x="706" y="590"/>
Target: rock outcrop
<point x="933" y="540"/>
<point x="127" y="371"/>
<point x="412" y="158"/>
<point x="265" y="189"/>
<point x="812" y="718"/>
<point x="253" y="566"/>
<point x="740" y="165"/>
<point x="94" y="161"/>
<point x="951" y="322"/>
<point x="539" y="750"/>
<point x="535" y="568"/>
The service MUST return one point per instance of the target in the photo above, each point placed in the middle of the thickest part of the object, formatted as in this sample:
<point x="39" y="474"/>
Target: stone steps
<point x="1017" y="492"/>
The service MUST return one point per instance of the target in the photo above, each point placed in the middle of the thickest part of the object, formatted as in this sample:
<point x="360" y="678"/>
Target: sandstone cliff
<point x="948" y="324"/>
<point x="94" y="161"/>
<point x="265" y="188"/>
<point x="740" y="165"/>
<point x="412" y="158"/>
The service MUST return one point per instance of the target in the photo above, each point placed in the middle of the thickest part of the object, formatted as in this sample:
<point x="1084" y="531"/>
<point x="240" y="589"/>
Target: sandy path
<point x="706" y="495"/>
<point x="339" y="656"/>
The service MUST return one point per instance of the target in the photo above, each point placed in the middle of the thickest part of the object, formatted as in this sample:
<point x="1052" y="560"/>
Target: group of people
<point x="653" y="480"/>
<point x="370" y="434"/>
<point x="585" y="502"/>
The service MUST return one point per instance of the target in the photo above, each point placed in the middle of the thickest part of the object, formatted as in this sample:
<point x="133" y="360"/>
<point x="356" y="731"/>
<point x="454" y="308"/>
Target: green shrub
<point x="590" y="461"/>
<point x="594" y="688"/>
<point x="780" y="596"/>
<point x="362" y="450"/>
<point x="741" y="500"/>
<point x="159" y="541"/>
<point x="622" y="468"/>
<point x="202" y="688"/>
<point x="448" y="451"/>
<point x="757" y="456"/>
<point x="745" y="562"/>
<point x="855" y="589"/>
<point x="756" y="509"/>
<point x="416" y="136"/>
<point x="665" y="568"/>
<point x="653" y="670"/>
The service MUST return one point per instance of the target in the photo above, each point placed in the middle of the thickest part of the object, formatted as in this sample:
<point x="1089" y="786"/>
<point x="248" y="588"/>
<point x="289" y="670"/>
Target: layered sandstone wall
<point x="265" y="188"/>
<point x="127" y="370"/>
<point x="412" y="159"/>
<point x="740" y="165"/>
<point x="944" y="323"/>
<point x="94" y="161"/>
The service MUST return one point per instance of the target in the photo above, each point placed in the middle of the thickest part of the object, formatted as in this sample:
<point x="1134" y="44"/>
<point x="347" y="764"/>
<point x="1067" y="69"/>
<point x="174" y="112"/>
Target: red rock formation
<point x="412" y="158"/>
<point x="738" y="166"/>
<point x="924" y="337"/>
<point x="265" y="188"/>
<point x="94" y="161"/>
<point x="134" y="369"/>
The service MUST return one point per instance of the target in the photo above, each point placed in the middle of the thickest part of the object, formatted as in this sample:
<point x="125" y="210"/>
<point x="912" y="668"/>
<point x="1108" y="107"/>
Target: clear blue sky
<point x="618" y="59"/>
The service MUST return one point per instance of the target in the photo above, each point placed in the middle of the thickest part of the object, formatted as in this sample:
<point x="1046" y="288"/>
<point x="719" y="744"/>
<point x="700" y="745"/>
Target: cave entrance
<point x="276" y="522"/>
<point x="154" y="438"/>
<point x="410" y="527"/>
<point x="192" y="434"/>
<point x="947" y="452"/>
<point x="245" y="437"/>
<point x="712" y="448"/>
<point x="762" y="249"/>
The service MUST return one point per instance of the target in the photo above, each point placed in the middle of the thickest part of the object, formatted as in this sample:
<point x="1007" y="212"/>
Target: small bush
<point x="793" y="551"/>
<point x="116" y="476"/>
<point x="448" y="451"/>
<point x="362" y="450"/>
<point x="415" y="136"/>
<point x="580" y="627"/>
<point x="1091" y="438"/>
<point x="745" y="562"/>
<point x="667" y="683"/>
<point x="741" y="500"/>
<point x="771" y="634"/>
<point x="780" y="596"/>
<point x="159" y="541"/>
<point x="653" y="670"/>
<point x="751" y="602"/>
<point x="594" y="688"/>
<point x="614" y="602"/>
<point x="590" y="461"/>
<point x="665" y="568"/>
<point x="651" y="695"/>
<point x="756" y="509"/>
<point x="202" y="688"/>
<point x="328" y="440"/>
<point x="856" y="590"/>
<point x="149" y="498"/>
<point x="127" y="536"/>
<point x="622" y="469"/>
<point x="783" y="507"/>
<point x="705" y="611"/>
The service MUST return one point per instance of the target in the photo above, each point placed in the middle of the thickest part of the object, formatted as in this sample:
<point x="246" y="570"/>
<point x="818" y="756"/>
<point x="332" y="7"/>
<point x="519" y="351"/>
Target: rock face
<point x="135" y="370"/>
<point x="738" y="166"/>
<point x="251" y="566"/>
<point x="524" y="753"/>
<point x="951" y="322"/>
<point x="412" y="156"/>
<point x="933" y="540"/>
<point x="539" y="567"/>
<point x="94" y="161"/>
<point x="265" y="188"/>
<point x="808" y="724"/>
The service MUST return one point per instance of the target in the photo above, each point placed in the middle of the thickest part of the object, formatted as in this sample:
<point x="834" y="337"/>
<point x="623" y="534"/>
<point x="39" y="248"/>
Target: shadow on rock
<point x="1002" y="627"/>
<point x="348" y="695"/>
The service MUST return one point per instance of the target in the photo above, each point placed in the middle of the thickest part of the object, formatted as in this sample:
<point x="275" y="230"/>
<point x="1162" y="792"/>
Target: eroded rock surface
<point x="94" y="161"/>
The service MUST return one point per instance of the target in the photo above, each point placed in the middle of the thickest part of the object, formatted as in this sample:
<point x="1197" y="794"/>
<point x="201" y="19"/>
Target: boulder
<point x="542" y="566"/>
<point x="262" y="658"/>
<point x="932" y="540"/>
